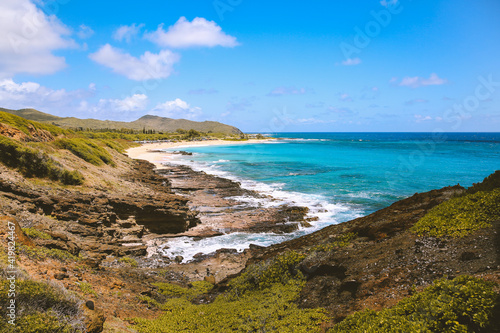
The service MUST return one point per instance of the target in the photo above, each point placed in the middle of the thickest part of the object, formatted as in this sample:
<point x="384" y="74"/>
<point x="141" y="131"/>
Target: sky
<point x="262" y="66"/>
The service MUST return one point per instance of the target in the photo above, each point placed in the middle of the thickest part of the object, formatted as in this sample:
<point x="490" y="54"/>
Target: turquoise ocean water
<point x="339" y="176"/>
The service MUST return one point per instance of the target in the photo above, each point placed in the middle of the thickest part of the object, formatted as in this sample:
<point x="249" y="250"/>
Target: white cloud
<point x="420" y="118"/>
<point x="32" y="95"/>
<point x="176" y="109"/>
<point x="85" y="32"/>
<point x="27" y="39"/>
<point x="279" y="91"/>
<point x="199" y="32"/>
<point x="351" y="62"/>
<point x="415" y="82"/>
<point x="148" y="66"/>
<point x="125" y="109"/>
<point x="136" y="102"/>
<point x="127" y="32"/>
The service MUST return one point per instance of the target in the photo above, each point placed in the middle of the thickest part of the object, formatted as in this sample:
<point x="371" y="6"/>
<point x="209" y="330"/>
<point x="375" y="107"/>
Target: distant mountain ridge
<point x="148" y="122"/>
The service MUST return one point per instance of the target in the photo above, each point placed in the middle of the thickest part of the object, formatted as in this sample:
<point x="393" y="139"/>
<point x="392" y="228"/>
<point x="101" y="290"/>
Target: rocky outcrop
<point x="107" y="223"/>
<point x="216" y="200"/>
<point x="35" y="134"/>
<point x="13" y="133"/>
<point x="385" y="261"/>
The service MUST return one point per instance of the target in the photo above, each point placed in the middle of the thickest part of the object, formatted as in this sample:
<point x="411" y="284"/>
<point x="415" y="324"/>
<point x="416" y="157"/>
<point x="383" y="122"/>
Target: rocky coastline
<point x="112" y="233"/>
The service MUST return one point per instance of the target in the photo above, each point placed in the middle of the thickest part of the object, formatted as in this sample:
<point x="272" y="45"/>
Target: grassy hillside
<point x="35" y="149"/>
<point x="32" y="114"/>
<point x="24" y="125"/>
<point x="148" y="122"/>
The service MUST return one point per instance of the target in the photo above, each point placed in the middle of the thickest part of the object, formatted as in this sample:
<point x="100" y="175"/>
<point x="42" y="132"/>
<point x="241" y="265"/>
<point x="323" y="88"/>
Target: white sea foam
<point x="273" y="195"/>
<point x="187" y="247"/>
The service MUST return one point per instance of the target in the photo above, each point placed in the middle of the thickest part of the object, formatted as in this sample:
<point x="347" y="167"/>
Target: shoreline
<point x="216" y="202"/>
<point x="149" y="151"/>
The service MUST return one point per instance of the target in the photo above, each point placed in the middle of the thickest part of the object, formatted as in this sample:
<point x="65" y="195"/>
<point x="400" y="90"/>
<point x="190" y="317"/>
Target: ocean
<point x="339" y="176"/>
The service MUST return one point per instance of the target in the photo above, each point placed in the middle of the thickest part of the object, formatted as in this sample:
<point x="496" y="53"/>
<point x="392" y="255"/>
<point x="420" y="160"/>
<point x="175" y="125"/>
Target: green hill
<point x="148" y="122"/>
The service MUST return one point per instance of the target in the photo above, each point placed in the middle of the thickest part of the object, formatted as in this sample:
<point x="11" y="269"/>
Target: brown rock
<point x="60" y="245"/>
<point x="61" y="276"/>
<point x="13" y="133"/>
<point x="210" y="279"/>
<point x="21" y="237"/>
<point x="94" y="319"/>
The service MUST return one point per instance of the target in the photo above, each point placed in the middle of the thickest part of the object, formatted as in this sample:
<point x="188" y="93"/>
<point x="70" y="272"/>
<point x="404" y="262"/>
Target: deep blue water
<point x="341" y="176"/>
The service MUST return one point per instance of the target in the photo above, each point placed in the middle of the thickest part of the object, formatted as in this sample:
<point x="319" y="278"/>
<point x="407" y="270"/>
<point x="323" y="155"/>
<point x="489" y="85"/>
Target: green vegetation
<point x="488" y="184"/>
<point x="129" y="261"/>
<point x="24" y="125"/>
<point x="341" y="241"/>
<point x="114" y="145"/>
<point x="282" y="269"/>
<point x="41" y="308"/>
<point x="86" y="288"/>
<point x="33" y="163"/>
<point x="464" y="304"/>
<point x="146" y="123"/>
<point x="261" y="299"/>
<point x="31" y="114"/>
<point x="90" y="143"/>
<point x="271" y="309"/>
<point x="172" y="290"/>
<point x="87" y="150"/>
<point x="35" y="233"/>
<point x="42" y="253"/>
<point x="460" y="216"/>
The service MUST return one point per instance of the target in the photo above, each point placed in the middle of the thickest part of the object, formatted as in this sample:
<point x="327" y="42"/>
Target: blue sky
<point x="390" y="65"/>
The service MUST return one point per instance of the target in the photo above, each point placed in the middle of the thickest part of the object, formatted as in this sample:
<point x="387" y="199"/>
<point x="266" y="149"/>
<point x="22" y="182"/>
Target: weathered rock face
<point x="108" y="223"/>
<point x="35" y="135"/>
<point x="386" y="261"/>
<point x="12" y="132"/>
<point x="215" y="201"/>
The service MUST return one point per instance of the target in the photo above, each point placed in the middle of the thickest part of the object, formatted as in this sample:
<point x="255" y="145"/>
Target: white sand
<point x="148" y="151"/>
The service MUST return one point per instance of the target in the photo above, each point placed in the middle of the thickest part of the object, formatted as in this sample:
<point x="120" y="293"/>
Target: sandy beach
<point x="149" y="151"/>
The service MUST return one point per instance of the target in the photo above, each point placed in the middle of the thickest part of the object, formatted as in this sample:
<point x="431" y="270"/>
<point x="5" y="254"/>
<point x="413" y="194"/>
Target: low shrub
<point x="460" y="216"/>
<point x="129" y="261"/>
<point x="281" y="269"/>
<point x="464" y="304"/>
<point x="86" y="288"/>
<point x="86" y="150"/>
<point x="40" y="322"/>
<point x="33" y="163"/>
<point x="41" y="308"/>
<point x="341" y="241"/>
<point x="488" y="184"/>
<point x="113" y="144"/>
<point x="42" y="253"/>
<point x="35" y="233"/>
<point x="172" y="290"/>
<point x="23" y="124"/>
<point x="271" y="309"/>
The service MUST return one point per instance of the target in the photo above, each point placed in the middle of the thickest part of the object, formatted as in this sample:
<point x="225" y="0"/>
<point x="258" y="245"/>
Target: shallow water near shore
<point x="339" y="176"/>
